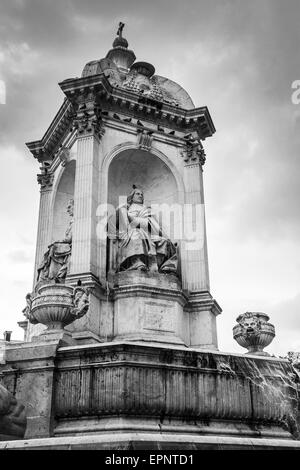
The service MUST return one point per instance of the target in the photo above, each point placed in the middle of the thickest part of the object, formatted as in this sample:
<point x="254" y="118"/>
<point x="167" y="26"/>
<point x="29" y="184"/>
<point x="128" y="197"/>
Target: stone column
<point x="43" y="236"/>
<point x="195" y="275"/>
<point x="202" y="308"/>
<point x="44" y="223"/>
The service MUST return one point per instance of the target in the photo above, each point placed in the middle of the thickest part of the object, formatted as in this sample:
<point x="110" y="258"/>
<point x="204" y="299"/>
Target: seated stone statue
<point x="55" y="262"/>
<point x="12" y="415"/>
<point x="141" y="243"/>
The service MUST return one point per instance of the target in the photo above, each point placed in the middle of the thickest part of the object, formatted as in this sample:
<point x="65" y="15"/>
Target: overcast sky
<point x="239" y="58"/>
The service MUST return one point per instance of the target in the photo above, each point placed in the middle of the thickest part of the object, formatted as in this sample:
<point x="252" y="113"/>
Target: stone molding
<point x="110" y="98"/>
<point x="201" y="301"/>
<point x="147" y="440"/>
<point x="149" y="291"/>
<point x="44" y="149"/>
<point x="131" y="128"/>
<point x="114" y="98"/>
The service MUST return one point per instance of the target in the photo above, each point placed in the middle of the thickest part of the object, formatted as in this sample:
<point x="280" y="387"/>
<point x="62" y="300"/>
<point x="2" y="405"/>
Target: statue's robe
<point x="140" y="237"/>
<point x="55" y="262"/>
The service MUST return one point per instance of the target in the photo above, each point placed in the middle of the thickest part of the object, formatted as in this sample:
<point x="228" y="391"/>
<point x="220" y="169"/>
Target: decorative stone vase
<point x="253" y="332"/>
<point x="57" y="305"/>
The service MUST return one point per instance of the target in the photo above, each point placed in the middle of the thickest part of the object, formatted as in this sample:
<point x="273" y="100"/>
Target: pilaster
<point x="84" y="242"/>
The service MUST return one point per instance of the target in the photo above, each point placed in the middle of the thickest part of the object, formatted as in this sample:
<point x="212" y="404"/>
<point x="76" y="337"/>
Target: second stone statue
<point x="55" y="263"/>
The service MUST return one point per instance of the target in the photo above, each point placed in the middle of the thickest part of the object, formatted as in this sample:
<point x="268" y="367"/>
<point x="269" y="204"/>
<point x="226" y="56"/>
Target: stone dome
<point x="122" y="71"/>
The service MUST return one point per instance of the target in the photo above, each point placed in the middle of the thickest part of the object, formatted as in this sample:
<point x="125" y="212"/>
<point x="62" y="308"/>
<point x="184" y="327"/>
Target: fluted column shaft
<point x="44" y="222"/>
<point x="195" y="276"/>
<point x="202" y="308"/>
<point x="84" y="242"/>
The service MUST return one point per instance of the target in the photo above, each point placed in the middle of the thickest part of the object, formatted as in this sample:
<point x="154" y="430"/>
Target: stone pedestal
<point x="89" y="328"/>
<point x="63" y="337"/>
<point x="149" y="307"/>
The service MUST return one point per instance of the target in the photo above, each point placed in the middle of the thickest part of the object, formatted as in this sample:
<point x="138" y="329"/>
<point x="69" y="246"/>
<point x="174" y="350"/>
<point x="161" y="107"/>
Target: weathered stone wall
<point x="118" y="387"/>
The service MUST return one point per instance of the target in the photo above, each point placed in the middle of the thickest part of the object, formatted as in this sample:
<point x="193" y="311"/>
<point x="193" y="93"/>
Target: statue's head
<point x="136" y="196"/>
<point x="70" y="207"/>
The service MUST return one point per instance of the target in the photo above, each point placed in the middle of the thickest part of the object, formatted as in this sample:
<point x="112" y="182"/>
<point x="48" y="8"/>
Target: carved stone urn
<point x="56" y="306"/>
<point x="253" y="332"/>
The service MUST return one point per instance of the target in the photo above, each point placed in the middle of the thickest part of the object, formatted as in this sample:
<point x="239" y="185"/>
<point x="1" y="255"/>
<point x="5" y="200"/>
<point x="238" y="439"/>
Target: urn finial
<point x="254" y="332"/>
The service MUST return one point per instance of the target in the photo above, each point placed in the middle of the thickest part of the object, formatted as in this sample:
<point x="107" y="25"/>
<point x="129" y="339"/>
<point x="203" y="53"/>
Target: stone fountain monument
<point x="120" y="344"/>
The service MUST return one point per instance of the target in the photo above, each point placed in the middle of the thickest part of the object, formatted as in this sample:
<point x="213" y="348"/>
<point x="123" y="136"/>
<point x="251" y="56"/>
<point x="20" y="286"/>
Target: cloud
<point x="19" y="256"/>
<point x="285" y="317"/>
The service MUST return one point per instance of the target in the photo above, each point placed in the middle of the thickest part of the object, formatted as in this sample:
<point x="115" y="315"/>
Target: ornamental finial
<point x="120" y="29"/>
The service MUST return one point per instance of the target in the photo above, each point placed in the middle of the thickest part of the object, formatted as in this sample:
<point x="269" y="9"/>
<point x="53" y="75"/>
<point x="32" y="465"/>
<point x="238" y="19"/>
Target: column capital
<point x="88" y="120"/>
<point x="193" y="154"/>
<point x="46" y="181"/>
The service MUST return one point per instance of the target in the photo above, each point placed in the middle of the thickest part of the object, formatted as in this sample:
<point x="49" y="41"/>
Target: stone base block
<point x="62" y="336"/>
<point x="149" y="307"/>
<point x="86" y="337"/>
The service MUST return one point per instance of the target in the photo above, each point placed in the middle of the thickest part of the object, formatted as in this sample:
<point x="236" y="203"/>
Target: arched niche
<point x="144" y="169"/>
<point x="64" y="192"/>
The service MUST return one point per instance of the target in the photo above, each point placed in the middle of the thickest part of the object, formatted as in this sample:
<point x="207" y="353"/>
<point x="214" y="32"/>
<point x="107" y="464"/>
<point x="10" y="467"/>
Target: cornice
<point x="114" y="98"/>
<point x="44" y="149"/>
<point x="110" y="100"/>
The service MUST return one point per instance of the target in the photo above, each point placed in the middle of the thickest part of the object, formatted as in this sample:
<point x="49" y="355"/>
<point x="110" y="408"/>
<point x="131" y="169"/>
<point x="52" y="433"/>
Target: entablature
<point x="88" y="94"/>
